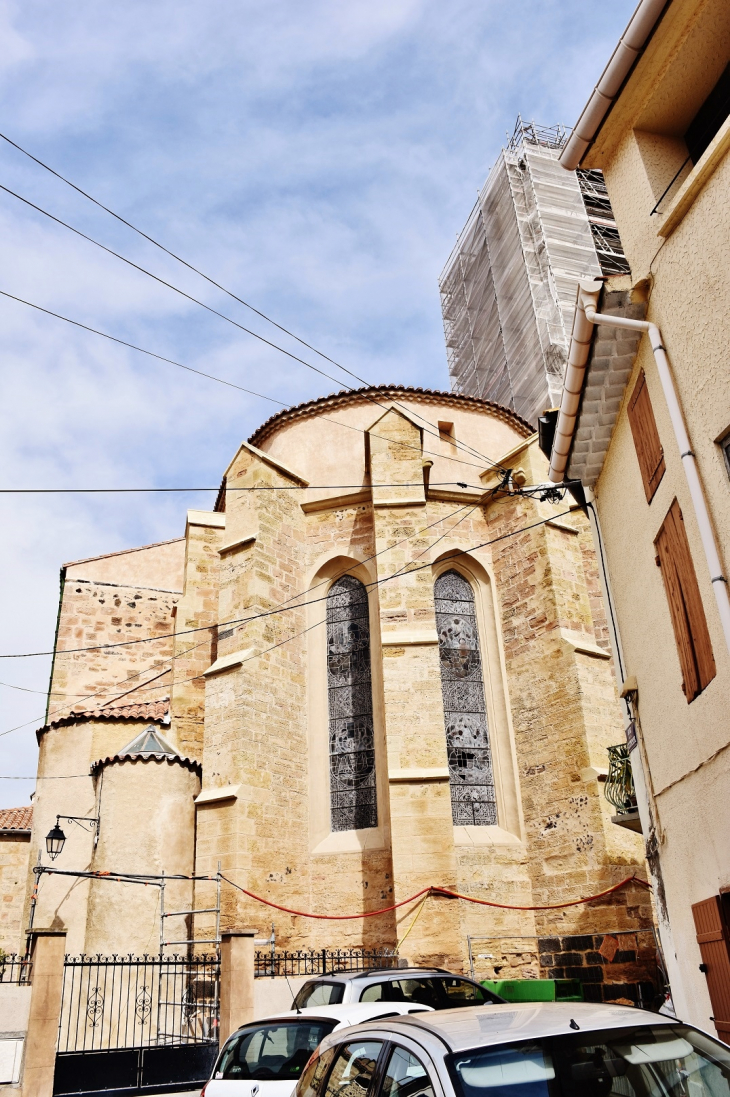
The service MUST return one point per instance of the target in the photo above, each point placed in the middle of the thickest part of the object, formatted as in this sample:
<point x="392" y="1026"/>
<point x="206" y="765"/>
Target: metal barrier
<point x="619" y="788"/>
<point x="137" y="1024"/>
<point x="15" y="968"/>
<point x="323" y="961"/>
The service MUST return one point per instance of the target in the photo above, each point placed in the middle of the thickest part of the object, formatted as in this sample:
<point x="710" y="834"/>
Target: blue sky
<point x="318" y="158"/>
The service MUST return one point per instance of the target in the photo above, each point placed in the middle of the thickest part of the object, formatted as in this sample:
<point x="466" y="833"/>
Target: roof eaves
<point x="609" y="367"/>
<point x="621" y="64"/>
<point x="122" y="552"/>
<point x="171" y="759"/>
<point x="156" y="711"/>
<point x="311" y="408"/>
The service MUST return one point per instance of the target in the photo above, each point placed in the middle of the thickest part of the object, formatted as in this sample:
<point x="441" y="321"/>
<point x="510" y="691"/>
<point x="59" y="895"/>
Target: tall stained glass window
<point x="473" y="802"/>
<point x="353" y="801"/>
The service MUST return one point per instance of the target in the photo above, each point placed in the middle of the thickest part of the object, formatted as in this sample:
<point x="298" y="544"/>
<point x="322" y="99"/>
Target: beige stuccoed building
<point x="367" y="671"/>
<point x="651" y="437"/>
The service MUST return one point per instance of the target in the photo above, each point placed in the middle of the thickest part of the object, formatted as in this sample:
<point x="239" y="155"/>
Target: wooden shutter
<point x="685" y="604"/>
<point x="714" y="941"/>
<point x="646" y="437"/>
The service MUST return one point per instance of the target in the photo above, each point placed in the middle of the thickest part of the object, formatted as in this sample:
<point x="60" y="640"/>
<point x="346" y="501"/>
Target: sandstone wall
<point x="14" y="862"/>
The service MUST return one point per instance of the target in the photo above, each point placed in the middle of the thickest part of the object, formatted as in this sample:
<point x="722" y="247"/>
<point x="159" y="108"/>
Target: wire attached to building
<point x="281" y="609"/>
<point x="445" y="893"/>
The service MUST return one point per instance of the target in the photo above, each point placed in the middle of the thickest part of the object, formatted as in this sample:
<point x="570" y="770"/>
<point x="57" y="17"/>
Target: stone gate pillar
<point x="237" y="961"/>
<point x="47" y="954"/>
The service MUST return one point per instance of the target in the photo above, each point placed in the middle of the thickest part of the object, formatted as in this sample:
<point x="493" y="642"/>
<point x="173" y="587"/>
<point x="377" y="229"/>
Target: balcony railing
<point x="619" y="789"/>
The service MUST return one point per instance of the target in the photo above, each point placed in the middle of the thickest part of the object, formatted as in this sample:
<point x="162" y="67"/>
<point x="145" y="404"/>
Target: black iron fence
<point x="325" y="961"/>
<point x="112" y="1002"/>
<point x="14" y="968"/>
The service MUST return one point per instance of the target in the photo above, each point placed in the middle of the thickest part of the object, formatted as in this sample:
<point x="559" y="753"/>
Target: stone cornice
<point x="312" y="408"/>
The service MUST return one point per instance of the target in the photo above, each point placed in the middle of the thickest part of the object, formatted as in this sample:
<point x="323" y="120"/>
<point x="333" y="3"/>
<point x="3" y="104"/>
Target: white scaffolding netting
<point x="508" y="289"/>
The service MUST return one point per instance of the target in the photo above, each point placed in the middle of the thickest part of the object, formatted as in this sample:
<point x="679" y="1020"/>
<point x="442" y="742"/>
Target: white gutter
<point x="580" y="344"/>
<point x="623" y="58"/>
<point x="583" y="322"/>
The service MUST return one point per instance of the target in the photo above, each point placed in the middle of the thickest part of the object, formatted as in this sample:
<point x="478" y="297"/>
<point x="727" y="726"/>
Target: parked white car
<point x="432" y="987"/>
<point x="555" y="1049"/>
<point x="266" y="1058"/>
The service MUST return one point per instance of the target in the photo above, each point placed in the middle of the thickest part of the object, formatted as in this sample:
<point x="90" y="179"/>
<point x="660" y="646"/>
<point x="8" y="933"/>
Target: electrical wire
<point x="63" y="777"/>
<point x="142" y="687"/>
<point x="287" y="487"/>
<point x="200" y="273"/>
<point x="141" y="350"/>
<point x="284" y="608"/>
<point x="258" y="655"/>
<point x="446" y="893"/>
<point x="229" y="384"/>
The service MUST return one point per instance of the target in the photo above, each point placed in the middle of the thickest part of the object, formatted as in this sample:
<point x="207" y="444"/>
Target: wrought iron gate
<point x="136" y="1024"/>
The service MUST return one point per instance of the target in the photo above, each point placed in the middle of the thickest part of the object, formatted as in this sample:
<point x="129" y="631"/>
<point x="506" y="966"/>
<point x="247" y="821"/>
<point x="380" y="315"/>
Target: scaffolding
<point x="508" y="288"/>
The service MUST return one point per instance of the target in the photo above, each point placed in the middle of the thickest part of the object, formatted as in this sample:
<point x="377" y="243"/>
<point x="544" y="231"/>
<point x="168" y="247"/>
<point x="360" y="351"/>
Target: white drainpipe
<point x="583" y="322"/>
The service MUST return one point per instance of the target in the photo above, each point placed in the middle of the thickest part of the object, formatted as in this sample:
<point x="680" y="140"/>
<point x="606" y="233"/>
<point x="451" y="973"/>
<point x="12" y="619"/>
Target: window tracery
<point x="473" y="800"/>
<point x="353" y="794"/>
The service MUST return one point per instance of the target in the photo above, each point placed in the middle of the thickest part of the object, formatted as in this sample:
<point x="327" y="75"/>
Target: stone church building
<point x="368" y="670"/>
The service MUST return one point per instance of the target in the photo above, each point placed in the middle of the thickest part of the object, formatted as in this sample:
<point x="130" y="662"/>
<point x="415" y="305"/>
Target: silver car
<point x="431" y="987"/>
<point x="520" y="1050"/>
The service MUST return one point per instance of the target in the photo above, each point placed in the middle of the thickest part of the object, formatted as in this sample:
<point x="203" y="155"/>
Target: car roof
<point x="481" y="1026"/>
<point x="359" y="1011"/>
<point x="396" y="972"/>
<point x="354" y="1014"/>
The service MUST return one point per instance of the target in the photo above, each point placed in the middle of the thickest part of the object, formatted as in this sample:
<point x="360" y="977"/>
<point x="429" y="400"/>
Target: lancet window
<point x="353" y="801"/>
<point x="473" y="801"/>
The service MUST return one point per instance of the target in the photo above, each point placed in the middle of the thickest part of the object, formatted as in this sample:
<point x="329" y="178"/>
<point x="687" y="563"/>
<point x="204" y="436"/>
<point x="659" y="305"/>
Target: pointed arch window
<point x="473" y="800"/>
<point x="353" y="794"/>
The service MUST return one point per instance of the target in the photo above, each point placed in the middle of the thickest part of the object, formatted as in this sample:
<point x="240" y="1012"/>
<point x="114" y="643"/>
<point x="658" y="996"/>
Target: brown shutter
<point x="646" y="437"/>
<point x="714" y="942"/>
<point x="685" y="604"/>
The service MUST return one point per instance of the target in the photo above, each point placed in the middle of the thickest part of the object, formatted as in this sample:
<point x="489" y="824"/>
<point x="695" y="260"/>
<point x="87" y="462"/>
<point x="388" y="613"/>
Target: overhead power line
<point x="141" y="350"/>
<point x="258" y="655"/>
<point x="212" y="377"/>
<point x="220" y="315"/>
<point x="206" y="277"/>
<point x="265" y="487"/>
<point x="169" y="285"/>
<point x="237" y="622"/>
<point x="143" y="687"/>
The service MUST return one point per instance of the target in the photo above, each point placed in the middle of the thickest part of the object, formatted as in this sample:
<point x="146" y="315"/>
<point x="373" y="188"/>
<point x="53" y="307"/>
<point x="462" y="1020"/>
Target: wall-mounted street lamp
<point x="55" y="838"/>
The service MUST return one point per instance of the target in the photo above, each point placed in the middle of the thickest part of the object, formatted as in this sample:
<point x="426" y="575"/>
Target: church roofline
<point x="123" y="552"/>
<point x="171" y="759"/>
<point x="311" y="408"/>
<point x="157" y="711"/>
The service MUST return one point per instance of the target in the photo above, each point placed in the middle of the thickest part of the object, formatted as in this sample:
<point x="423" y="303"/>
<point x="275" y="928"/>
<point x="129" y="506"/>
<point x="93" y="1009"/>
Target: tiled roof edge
<point x="121" y="712"/>
<point x="171" y="759"/>
<point x="311" y="408"/>
<point x="16" y="820"/>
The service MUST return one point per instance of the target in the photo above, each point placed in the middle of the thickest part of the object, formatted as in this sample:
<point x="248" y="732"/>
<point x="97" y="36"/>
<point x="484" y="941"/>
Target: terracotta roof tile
<point x="145" y="710"/>
<point x="16" y="818"/>
<point x="373" y="393"/>
<point x="145" y="759"/>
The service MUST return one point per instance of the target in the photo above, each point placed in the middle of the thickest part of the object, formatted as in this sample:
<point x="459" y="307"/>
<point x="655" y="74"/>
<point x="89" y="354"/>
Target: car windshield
<point x="317" y="993"/>
<point x="274" y="1052"/>
<point x="650" y="1061"/>
<point x="438" y="993"/>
